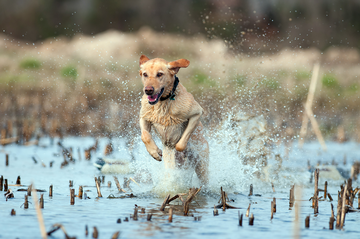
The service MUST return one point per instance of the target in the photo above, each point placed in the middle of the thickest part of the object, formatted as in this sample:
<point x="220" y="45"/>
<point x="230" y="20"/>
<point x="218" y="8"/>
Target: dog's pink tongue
<point x="152" y="97"/>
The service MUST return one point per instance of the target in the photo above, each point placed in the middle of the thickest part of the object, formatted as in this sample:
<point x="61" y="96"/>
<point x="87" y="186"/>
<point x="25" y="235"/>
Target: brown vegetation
<point x="90" y="85"/>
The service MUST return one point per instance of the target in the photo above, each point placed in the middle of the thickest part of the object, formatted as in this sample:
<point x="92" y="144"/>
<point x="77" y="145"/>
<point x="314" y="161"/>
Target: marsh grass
<point x="69" y="72"/>
<point x="330" y="81"/>
<point x="30" y="63"/>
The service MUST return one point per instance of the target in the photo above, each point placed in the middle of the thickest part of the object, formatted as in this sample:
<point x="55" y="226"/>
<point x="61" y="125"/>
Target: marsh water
<point x="226" y="170"/>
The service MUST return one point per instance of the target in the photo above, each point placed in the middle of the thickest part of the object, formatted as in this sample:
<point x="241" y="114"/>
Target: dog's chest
<point x="168" y="125"/>
<point x="170" y="135"/>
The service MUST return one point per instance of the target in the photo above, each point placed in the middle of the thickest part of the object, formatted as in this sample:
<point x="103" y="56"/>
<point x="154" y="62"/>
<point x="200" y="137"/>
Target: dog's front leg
<point x="150" y="145"/>
<point x="193" y="123"/>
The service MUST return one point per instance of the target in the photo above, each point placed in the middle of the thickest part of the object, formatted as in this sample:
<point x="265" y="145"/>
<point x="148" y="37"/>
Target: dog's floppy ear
<point x="143" y="59"/>
<point x="175" y="66"/>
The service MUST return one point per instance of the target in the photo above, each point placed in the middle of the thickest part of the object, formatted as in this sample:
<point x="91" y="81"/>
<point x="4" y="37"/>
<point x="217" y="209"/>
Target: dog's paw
<point x="157" y="154"/>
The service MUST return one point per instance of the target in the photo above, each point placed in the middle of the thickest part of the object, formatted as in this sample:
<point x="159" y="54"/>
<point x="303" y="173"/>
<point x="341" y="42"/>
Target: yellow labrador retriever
<point x="174" y="114"/>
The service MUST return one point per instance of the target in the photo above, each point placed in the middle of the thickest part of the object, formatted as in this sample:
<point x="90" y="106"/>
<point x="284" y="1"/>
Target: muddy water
<point x="225" y="170"/>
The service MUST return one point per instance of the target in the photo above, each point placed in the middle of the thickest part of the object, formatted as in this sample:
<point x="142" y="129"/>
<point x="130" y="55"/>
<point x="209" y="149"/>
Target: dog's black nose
<point x="149" y="90"/>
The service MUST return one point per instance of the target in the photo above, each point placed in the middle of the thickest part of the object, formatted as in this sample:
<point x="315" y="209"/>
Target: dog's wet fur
<point x="176" y="119"/>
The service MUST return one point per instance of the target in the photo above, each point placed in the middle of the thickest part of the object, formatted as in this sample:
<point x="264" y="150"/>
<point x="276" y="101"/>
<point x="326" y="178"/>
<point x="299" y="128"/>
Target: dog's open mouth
<point x="153" y="99"/>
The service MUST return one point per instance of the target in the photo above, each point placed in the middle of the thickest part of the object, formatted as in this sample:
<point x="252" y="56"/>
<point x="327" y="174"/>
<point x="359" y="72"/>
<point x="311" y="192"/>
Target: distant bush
<point x="69" y="72"/>
<point x="329" y="81"/>
<point x="30" y="64"/>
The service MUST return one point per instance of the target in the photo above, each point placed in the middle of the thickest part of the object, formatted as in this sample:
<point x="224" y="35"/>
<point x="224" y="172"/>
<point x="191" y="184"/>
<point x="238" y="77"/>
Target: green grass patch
<point x="30" y="64"/>
<point x="69" y="72"/>
<point x="329" y="81"/>
<point x="200" y="78"/>
<point x="302" y="75"/>
<point x="271" y="83"/>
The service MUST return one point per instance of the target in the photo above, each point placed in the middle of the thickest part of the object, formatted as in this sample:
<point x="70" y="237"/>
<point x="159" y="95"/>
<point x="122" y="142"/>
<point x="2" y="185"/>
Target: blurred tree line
<point x="245" y="25"/>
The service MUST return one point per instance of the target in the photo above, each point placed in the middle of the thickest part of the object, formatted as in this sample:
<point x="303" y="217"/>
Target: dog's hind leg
<point x="200" y="154"/>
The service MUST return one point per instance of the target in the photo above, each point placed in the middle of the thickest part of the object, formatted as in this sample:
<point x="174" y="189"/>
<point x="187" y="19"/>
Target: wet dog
<point x="173" y="113"/>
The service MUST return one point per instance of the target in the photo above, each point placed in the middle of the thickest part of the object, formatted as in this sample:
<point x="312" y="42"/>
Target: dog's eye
<point x="145" y="74"/>
<point x="159" y="74"/>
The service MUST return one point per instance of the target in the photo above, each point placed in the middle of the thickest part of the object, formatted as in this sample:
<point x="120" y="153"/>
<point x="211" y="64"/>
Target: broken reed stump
<point x="118" y="185"/>
<point x="135" y="216"/>
<point x="248" y="210"/>
<point x="274" y="205"/>
<point x="51" y="190"/>
<point x="5" y="185"/>
<point x="216" y="212"/>
<point x="251" y="220"/>
<point x="115" y="235"/>
<point x="316" y="191"/>
<point x="329" y="196"/>
<point x="292" y="196"/>
<point x="80" y="194"/>
<point x="149" y="216"/>
<point x="170" y="214"/>
<point x="325" y="190"/>
<point x="109" y="184"/>
<point x="18" y="180"/>
<point x="29" y="190"/>
<point x="71" y="183"/>
<point x="192" y="193"/>
<point x="240" y="218"/>
<point x="13" y="212"/>
<point x="72" y="196"/>
<point x="223" y="204"/>
<point x="272" y="186"/>
<point x="108" y="149"/>
<point x="95" y="233"/>
<point x="343" y="206"/>
<point x="41" y="204"/>
<point x="307" y="222"/>
<point x="166" y="200"/>
<point x="6" y="160"/>
<point x="86" y="230"/>
<point x="331" y="223"/>
<point x="223" y="197"/>
<point x="1" y="182"/>
<point x="251" y="190"/>
<point x="272" y="210"/>
<point x="87" y="154"/>
<point x="39" y="214"/>
<point x="348" y="194"/>
<point x="316" y="205"/>
<point x="98" y="187"/>
<point x="338" y="209"/>
<point x="26" y="203"/>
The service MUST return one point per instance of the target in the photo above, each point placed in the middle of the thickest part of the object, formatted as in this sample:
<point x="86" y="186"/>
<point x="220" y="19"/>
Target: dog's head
<point x="158" y="76"/>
